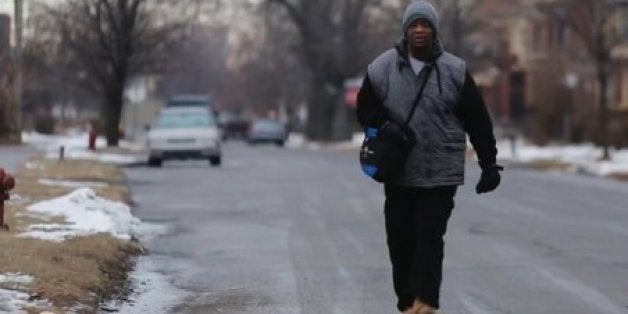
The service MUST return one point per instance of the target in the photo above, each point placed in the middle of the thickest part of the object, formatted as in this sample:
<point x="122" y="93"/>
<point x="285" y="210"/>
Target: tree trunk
<point x="112" y="113"/>
<point x="603" y="103"/>
<point x="340" y="127"/>
<point x="321" y="110"/>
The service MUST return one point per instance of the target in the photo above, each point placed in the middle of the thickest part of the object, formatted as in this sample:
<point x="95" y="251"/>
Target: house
<point x="544" y="80"/>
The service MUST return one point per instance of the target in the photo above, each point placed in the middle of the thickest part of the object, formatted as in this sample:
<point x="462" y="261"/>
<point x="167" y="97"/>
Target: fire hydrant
<point x="7" y="183"/>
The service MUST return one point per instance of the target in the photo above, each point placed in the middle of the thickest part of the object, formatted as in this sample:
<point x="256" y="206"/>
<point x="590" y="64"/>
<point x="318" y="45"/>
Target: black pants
<point x="416" y="221"/>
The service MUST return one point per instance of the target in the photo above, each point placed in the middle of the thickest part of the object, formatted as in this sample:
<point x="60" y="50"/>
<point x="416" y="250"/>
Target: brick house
<point x="544" y="80"/>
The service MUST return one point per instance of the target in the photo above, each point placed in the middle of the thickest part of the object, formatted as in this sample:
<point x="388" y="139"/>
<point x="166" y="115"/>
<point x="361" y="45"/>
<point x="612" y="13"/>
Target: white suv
<point x="184" y="133"/>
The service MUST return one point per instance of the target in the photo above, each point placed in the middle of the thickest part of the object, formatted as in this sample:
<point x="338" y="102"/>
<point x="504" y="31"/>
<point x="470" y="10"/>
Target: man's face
<point x="420" y="35"/>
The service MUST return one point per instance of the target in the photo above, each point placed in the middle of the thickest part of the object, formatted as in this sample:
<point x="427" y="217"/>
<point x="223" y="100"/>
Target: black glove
<point x="489" y="180"/>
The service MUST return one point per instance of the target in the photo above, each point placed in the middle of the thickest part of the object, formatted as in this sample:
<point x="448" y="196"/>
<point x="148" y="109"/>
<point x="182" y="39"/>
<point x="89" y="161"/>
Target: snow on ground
<point x="295" y="140"/>
<point x="110" y="158"/>
<point x="15" y="278"/>
<point x="153" y="292"/>
<point x="85" y="213"/>
<point x="299" y="141"/>
<point x="71" y="141"/>
<point x="73" y="184"/>
<point x="75" y="147"/>
<point x="14" y="301"/>
<point x="584" y="157"/>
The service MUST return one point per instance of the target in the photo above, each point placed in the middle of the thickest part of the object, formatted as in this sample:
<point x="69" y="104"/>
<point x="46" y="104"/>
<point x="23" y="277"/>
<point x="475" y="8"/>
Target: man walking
<point x="419" y="200"/>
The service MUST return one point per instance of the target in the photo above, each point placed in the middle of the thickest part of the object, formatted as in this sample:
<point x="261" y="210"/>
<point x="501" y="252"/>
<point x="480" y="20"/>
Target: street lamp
<point x="571" y="81"/>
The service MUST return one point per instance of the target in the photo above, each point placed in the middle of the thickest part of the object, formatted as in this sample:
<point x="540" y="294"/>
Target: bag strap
<point x="419" y="95"/>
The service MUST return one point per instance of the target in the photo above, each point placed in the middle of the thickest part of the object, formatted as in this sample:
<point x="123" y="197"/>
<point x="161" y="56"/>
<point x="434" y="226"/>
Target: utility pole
<point x="18" y="87"/>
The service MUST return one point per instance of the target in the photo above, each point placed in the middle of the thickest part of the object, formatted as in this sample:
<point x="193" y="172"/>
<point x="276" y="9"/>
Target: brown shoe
<point x="414" y="308"/>
<point x="422" y="308"/>
<point x="409" y="310"/>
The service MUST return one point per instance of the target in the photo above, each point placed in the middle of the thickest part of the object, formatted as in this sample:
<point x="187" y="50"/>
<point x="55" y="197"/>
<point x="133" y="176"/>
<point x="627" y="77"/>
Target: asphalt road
<point x="301" y="231"/>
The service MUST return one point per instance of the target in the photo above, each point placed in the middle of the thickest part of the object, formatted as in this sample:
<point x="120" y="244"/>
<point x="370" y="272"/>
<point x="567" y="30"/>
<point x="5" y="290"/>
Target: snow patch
<point x="85" y="213"/>
<point x="585" y="157"/>
<point x="153" y="294"/>
<point x="16" y="278"/>
<point x="73" y="184"/>
<point x="116" y="159"/>
<point x="13" y="300"/>
<point x="75" y="147"/>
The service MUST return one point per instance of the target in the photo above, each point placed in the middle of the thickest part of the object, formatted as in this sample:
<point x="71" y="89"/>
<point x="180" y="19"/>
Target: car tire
<point x="215" y="161"/>
<point x="154" y="162"/>
<point x="280" y="143"/>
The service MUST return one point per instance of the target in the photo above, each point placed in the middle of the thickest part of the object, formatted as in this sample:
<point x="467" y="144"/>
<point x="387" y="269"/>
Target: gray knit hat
<point x="420" y="10"/>
<point x="423" y="10"/>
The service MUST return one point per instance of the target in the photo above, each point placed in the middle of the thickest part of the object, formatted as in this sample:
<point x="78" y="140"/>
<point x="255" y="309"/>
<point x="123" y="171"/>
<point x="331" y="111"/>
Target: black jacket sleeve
<point x="370" y="110"/>
<point x="477" y="123"/>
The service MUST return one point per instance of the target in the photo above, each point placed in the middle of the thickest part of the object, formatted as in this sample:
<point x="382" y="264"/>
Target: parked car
<point x="268" y="131"/>
<point x="184" y="133"/>
<point x="191" y="100"/>
<point x="233" y="126"/>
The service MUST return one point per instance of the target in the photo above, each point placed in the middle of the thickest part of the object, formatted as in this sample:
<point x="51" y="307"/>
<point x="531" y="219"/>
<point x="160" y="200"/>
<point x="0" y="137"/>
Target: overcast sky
<point x="6" y="6"/>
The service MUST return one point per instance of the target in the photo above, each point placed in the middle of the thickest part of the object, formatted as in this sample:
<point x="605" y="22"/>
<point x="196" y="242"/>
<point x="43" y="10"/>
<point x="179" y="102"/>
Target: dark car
<point x="191" y="100"/>
<point x="268" y="131"/>
<point x="233" y="126"/>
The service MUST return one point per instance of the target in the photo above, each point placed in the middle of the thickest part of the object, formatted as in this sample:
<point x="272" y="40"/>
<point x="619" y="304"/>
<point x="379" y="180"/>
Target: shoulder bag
<point x="385" y="149"/>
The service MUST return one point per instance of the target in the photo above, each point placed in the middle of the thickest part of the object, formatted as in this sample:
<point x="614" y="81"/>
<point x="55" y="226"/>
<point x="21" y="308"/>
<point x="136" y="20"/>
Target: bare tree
<point x="258" y="92"/>
<point x="592" y="21"/>
<point x="330" y="37"/>
<point x="266" y="49"/>
<point x="204" y="70"/>
<point x="460" y="19"/>
<point x="116" y="40"/>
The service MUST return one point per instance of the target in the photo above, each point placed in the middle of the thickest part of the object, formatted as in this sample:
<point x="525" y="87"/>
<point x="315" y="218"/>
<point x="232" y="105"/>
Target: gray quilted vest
<point x="438" y="157"/>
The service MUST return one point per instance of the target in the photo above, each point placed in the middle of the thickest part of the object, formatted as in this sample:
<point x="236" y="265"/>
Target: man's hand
<point x="489" y="180"/>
